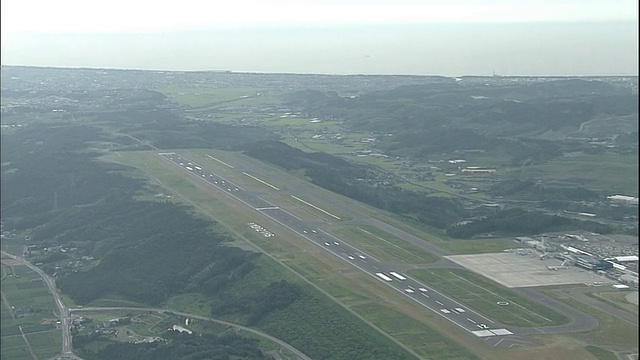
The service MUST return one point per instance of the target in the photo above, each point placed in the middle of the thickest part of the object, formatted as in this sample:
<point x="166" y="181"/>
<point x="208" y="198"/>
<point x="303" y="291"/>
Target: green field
<point x="612" y="332"/>
<point x="46" y="344"/>
<point x="32" y="304"/>
<point x="148" y="324"/>
<point x="486" y="296"/>
<point x="205" y="96"/>
<point x="381" y="245"/>
<point x="600" y="353"/>
<point x="592" y="171"/>
<point x="616" y="299"/>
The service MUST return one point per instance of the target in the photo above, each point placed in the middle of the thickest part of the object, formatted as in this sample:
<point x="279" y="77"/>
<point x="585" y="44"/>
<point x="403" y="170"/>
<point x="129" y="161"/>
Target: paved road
<point x="295" y="351"/>
<point x="578" y="321"/>
<point x="67" y="351"/>
<point x="63" y="312"/>
<point x="581" y="295"/>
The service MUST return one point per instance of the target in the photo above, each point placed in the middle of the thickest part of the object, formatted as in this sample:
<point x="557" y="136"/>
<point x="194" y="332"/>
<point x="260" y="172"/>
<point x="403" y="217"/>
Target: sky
<point x="416" y="37"/>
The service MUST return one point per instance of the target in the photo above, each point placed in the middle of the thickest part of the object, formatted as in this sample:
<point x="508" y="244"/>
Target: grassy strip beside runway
<point x="489" y="298"/>
<point x="381" y="245"/>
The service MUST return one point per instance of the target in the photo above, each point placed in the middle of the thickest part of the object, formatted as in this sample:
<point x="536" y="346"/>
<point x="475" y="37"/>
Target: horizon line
<point x="493" y="75"/>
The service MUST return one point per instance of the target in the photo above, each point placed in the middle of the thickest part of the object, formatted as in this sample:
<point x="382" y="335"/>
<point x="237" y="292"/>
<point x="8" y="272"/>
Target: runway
<point x="431" y="299"/>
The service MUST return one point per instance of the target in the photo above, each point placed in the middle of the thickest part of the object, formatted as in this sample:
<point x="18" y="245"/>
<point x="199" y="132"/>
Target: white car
<point x="423" y="289"/>
<point x="410" y="291"/>
<point x="327" y="244"/>
<point x="336" y="243"/>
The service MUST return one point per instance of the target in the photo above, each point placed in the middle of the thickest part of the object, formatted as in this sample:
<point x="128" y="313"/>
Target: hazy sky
<point x="428" y="37"/>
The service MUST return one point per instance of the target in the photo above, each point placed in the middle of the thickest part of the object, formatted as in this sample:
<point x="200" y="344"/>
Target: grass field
<point x="381" y="245"/>
<point x="483" y="295"/>
<point x="616" y="299"/>
<point x="45" y="344"/>
<point x="612" y="333"/>
<point x="148" y="324"/>
<point x="31" y="304"/>
<point x="600" y="353"/>
<point x="580" y="169"/>
<point x="203" y="96"/>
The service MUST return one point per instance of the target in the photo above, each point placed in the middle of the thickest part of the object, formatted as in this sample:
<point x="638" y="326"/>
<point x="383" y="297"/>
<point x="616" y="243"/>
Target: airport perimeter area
<point x="513" y="270"/>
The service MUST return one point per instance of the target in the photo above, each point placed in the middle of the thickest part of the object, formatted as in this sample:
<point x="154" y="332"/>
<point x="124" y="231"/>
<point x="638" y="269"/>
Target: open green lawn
<point x="616" y="299"/>
<point x="612" y="333"/>
<point x="149" y="324"/>
<point x="381" y="245"/>
<point x="485" y="296"/>
<point x="46" y="344"/>
<point x="32" y="303"/>
<point x="592" y="171"/>
<point x="205" y="96"/>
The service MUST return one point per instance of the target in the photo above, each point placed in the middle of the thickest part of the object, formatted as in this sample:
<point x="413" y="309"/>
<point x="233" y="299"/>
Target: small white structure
<point x="621" y="287"/>
<point x="628" y="258"/>
<point x="181" y="329"/>
<point x="629" y="200"/>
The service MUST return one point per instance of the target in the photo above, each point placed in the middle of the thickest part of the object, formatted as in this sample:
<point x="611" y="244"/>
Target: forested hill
<point x="484" y="116"/>
<point x="372" y="187"/>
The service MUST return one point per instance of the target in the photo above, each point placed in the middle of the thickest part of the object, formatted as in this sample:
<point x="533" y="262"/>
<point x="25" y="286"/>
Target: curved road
<point x="297" y="352"/>
<point x="63" y="312"/>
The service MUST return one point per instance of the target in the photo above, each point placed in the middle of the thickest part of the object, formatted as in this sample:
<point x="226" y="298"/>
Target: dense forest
<point x="449" y="116"/>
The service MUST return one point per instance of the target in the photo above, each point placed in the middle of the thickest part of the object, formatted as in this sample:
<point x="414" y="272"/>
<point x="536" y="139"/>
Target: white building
<point x="623" y="199"/>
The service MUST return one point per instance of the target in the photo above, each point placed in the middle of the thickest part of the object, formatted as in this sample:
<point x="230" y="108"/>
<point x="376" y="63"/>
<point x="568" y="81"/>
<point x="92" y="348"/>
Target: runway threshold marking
<point x="218" y="160"/>
<point x="261" y="181"/>
<point x="315" y="207"/>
